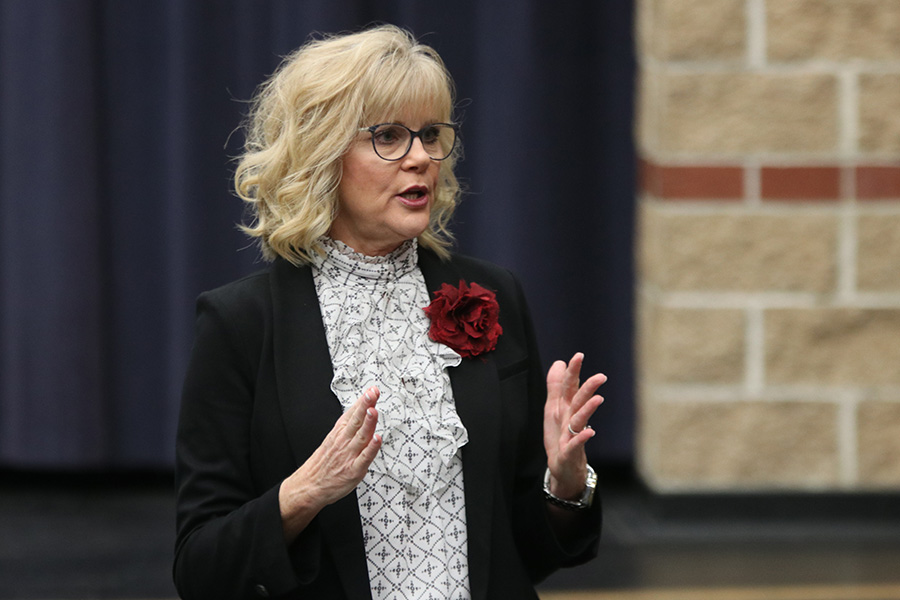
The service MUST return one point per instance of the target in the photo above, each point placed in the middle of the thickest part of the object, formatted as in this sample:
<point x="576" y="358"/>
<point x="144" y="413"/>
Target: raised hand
<point x="335" y="468"/>
<point x="566" y="414"/>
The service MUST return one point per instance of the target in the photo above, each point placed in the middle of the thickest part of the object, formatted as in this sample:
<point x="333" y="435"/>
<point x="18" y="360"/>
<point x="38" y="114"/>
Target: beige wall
<point x="769" y="244"/>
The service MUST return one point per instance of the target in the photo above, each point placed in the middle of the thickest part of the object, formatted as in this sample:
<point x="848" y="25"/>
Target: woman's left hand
<point x="569" y="408"/>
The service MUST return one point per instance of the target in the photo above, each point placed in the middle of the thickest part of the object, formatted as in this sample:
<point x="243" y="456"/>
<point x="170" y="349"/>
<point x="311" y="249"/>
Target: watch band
<point x="587" y="497"/>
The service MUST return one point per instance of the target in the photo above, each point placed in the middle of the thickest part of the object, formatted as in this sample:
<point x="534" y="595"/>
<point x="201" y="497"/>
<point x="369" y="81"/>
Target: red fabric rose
<point x="465" y="318"/>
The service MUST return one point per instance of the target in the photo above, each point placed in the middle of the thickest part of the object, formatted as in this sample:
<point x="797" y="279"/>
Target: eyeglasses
<point x="392" y="141"/>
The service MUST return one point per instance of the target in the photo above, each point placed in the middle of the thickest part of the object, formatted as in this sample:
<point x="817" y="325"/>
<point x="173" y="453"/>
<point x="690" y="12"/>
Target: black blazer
<point x="257" y="402"/>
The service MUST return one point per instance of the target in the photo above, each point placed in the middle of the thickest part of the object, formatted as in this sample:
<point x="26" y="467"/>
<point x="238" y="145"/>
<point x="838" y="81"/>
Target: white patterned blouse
<point x="411" y="502"/>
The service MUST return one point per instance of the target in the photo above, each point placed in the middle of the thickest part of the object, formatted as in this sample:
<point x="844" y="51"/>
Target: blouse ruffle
<point x="378" y="335"/>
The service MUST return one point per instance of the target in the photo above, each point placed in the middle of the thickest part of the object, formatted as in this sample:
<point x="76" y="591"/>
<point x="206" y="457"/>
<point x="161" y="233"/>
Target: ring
<point x="572" y="431"/>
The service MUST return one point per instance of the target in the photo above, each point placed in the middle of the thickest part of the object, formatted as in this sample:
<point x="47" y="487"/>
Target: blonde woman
<point x="368" y="417"/>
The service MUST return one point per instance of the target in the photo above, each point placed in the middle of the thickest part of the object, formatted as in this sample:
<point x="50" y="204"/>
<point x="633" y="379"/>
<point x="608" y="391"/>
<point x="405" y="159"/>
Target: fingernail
<point x="370" y="412"/>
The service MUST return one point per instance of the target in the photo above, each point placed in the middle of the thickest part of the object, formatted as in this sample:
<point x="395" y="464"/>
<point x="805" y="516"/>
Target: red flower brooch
<point x="465" y="318"/>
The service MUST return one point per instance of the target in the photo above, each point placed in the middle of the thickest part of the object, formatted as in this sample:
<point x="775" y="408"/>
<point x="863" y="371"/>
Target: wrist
<point x="297" y="507"/>
<point x="296" y="496"/>
<point x="570" y="488"/>
<point x="573" y="501"/>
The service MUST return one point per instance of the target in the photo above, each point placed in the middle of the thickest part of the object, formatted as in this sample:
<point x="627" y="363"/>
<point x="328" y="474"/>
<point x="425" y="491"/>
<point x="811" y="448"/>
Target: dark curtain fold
<point x="116" y="132"/>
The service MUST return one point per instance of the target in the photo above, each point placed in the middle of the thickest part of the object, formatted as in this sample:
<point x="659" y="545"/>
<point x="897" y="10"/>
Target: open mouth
<point x="414" y="197"/>
<point x="413" y="194"/>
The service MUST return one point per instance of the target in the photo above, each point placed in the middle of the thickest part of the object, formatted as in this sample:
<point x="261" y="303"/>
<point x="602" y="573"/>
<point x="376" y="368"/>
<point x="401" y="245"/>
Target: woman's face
<point x="381" y="203"/>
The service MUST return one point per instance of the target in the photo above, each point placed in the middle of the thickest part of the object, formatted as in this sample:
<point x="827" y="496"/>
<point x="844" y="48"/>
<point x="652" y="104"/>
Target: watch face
<point x="590" y="485"/>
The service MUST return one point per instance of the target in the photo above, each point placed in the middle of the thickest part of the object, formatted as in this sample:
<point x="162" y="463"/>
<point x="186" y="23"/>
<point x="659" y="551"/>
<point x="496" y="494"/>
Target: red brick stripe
<point x="877" y="183"/>
<point x="692" y="182"/>
<point x="717" y="182"/>
<point x="800" y="183"/>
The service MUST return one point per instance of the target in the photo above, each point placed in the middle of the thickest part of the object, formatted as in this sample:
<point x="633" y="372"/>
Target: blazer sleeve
<point x="542" y="547"/>
<point x="230" y="542"/>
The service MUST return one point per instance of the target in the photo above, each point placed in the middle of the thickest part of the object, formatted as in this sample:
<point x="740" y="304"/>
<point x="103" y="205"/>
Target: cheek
<point x="361" y="175"/>
<point x="435" y="171"/>
<point x="358" y="189"/>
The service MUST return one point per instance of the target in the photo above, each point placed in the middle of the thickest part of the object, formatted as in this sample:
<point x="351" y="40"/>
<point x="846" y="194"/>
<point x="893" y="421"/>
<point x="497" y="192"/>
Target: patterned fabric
<point x="411" y="502"/>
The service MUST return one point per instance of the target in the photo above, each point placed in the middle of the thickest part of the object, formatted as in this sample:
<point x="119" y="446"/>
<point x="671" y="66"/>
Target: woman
<point x="336" y="440"/>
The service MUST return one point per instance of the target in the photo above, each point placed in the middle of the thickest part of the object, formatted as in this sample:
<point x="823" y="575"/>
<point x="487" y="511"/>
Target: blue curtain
<point x="117" y="120"/>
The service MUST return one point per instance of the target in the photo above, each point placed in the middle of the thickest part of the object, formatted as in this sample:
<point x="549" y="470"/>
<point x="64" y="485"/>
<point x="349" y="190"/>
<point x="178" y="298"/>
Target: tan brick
<point x="738" y="252"/>
<point x="699" y="30"/>
<point x="737" y="113"/>
<point x="878" y="436"/>
<point x="879" y="103"/>
<point x="828" y="346"/>
<point x="644" y="359"/>
<point x="643" y="26"/>
<point x="878" y="254"/>
<point x="833" y="29"/>
<point x="742" y="444"/>
<point x="651" y="238"/>
<point x="695" y="346"/>
<point x="647" y="103"/>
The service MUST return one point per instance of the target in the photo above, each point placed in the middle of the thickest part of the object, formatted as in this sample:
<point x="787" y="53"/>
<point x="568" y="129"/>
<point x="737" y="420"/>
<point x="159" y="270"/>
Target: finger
<point x="586" y="391"/>
<point x="574" y="447"/>
<point x="368" y="453"/>
<point x="364" y="434"/>
<point x="555" y="377"/>
<point x="356" y="414"/>
<point x="581" y="419"/>
<point x="573" y="374"/>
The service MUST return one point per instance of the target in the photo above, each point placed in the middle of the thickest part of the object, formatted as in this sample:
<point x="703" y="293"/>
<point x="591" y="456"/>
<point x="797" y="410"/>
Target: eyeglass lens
<point x="392" y="141"/>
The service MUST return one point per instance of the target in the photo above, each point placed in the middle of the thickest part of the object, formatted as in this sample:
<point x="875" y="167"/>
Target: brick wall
<point x="769" y="244"/>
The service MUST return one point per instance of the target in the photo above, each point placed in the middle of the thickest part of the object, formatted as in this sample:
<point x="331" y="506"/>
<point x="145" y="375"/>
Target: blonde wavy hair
<point x="304" y="118"/>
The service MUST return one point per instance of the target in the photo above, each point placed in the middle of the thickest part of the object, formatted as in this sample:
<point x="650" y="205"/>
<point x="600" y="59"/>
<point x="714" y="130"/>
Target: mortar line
<point x="756" y="34"/>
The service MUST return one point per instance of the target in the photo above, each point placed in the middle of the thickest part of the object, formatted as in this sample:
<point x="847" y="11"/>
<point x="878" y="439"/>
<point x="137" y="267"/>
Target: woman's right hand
<point x="334" y="469"/>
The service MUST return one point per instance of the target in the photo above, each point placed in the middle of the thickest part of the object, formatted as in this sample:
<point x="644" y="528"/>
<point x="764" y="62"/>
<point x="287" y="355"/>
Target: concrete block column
<point x="769" y="245"/>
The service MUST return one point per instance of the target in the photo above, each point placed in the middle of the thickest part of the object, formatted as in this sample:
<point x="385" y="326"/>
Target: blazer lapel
<point x="302" y="361"/>
<point x="309" y="408"/>
<point x="476" y="389"/>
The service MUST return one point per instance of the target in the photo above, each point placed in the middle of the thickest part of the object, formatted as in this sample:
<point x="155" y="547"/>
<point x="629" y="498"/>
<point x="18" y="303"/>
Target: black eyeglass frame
<point x="412" y="136"/>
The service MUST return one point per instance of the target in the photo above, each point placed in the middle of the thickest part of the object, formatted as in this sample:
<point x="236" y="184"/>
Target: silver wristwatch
<point x="587" y="497"/>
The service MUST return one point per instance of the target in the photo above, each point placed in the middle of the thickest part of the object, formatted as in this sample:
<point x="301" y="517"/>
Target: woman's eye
<point x="387" y="135"/>
<point x="431" y="135"/>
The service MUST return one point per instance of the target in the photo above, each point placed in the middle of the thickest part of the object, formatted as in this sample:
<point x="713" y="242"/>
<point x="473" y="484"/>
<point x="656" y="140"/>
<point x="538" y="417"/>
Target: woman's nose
<point x="417" y="154"/>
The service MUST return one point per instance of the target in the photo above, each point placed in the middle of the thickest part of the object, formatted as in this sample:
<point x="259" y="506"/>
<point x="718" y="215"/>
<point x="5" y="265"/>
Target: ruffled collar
<point x="345" y="263"/>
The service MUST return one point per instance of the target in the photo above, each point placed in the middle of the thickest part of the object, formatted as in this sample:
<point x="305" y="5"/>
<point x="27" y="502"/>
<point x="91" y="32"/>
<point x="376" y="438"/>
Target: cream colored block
<point x="737" y="113"/>
<point x="879" y="444"/>
<point x="695" y="346"/>
<point x="643" y="28"/>
<point x="647" y="117"/>
<point x="878" y="254"/>
<point x="832" y="346"/>
<point x="741" y="445"/>
<point x="833" y="30"/>
<point x="738" y="252"/>
<point x="651" y="239"/>
<point x="699" y="30"/>
<point x="879" y="111"/>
